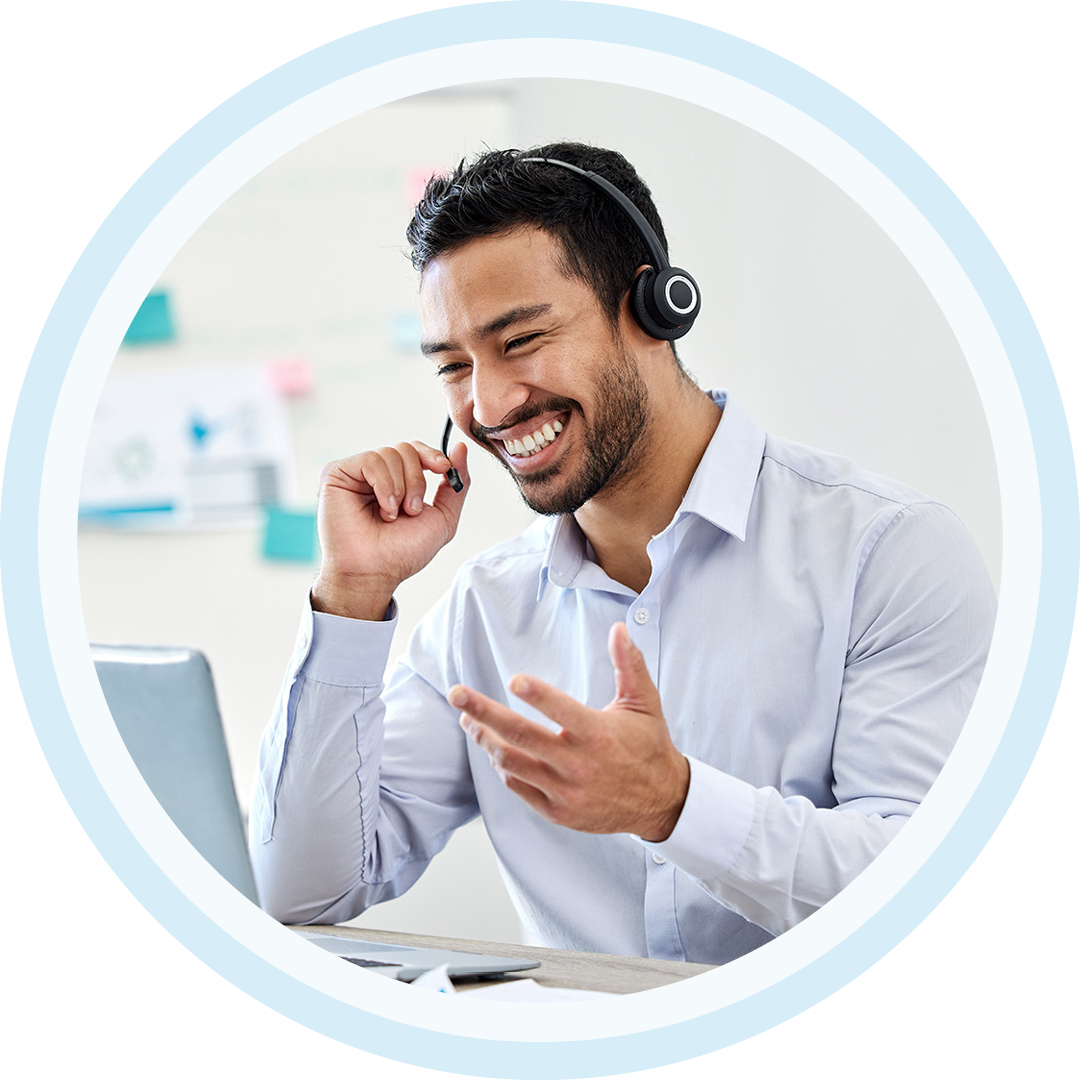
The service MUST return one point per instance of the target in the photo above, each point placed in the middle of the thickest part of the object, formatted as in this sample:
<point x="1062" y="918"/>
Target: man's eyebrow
<point x="502" y="322"/>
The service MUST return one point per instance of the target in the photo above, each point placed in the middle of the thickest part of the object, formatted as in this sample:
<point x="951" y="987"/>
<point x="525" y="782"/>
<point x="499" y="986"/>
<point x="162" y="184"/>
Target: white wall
<point x="811" y="317"/>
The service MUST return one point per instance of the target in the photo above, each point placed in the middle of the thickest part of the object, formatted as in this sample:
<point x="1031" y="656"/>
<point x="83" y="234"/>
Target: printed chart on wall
<point x="187" y="447"/>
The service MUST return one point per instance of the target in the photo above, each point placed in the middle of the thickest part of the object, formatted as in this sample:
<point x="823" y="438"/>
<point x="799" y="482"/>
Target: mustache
<point x="529" y="411"/>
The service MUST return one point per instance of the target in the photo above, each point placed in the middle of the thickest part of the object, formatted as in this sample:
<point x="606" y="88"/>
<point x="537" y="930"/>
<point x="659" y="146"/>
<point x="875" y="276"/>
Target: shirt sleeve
<point x="344" y="816"/>
<point x="922" y="618"/>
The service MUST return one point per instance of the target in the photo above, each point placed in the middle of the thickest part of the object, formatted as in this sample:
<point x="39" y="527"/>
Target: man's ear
<point x="634" y="334"/>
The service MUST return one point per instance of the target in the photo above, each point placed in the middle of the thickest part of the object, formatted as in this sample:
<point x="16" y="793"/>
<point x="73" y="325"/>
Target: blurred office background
<point x="812" y="318"/>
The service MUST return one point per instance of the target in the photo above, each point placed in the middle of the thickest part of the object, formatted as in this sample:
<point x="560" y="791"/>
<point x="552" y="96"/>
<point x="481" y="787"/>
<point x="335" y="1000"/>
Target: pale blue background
<point x="990" y="917"/>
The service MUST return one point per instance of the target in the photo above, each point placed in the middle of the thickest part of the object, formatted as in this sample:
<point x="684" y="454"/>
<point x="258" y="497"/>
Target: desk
<point x="573" y="970"/>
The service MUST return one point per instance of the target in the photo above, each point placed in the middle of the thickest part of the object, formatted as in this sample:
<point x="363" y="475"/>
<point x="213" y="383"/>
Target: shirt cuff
<point x="349" y="652"/>
<point x="713" y="826"/>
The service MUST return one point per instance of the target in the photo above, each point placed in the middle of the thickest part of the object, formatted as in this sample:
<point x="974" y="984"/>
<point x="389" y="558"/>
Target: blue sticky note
<point x="152" y="322"/>
<point x="290" y="535"/>
<point x="405" y="331"/>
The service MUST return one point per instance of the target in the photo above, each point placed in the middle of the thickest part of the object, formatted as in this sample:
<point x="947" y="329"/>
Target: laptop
<point x="163" y="702"/>
<point x="406" y="962"/>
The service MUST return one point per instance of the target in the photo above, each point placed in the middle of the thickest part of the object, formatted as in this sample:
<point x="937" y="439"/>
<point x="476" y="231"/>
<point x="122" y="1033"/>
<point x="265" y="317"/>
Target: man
<point x="693" y="701"/>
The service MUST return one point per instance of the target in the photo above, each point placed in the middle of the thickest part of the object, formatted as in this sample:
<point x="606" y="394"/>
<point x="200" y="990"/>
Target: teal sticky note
<point x="290" y="535"/>
<point x="152" y="322"/>
<point x="405" y="331"/>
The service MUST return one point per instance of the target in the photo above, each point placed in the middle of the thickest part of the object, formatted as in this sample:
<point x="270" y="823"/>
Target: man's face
<point x="532" y="369"/>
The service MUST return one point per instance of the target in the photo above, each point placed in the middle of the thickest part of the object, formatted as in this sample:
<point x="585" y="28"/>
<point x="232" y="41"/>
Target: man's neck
<point x="622" y="519"/>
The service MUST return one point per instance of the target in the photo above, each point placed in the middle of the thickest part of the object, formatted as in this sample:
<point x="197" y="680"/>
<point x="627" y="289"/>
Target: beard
<point x="622" y="398"/>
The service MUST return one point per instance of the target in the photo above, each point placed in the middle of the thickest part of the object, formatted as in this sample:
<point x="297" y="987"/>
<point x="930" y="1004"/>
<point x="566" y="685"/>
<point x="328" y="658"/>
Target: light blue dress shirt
<point x="817" y="634"/>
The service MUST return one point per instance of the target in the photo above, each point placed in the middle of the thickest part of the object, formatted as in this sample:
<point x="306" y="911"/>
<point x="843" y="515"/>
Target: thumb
<point x="634" y="687"/>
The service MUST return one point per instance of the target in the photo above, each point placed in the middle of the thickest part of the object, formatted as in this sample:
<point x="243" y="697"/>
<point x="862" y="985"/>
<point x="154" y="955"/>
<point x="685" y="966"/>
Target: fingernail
<point x="416" y="504"/>
<point x="519" y="685"/>
<point x="458" y="697"/>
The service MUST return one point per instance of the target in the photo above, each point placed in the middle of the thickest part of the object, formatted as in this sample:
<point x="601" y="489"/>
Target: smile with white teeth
<point x="534" y="443"/>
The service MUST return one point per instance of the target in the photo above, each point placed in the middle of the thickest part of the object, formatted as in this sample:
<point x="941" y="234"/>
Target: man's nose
<point x="497" y="392"/>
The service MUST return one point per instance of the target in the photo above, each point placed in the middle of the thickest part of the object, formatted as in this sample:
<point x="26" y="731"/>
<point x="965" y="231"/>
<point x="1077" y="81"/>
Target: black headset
<point x="665" y="300"/>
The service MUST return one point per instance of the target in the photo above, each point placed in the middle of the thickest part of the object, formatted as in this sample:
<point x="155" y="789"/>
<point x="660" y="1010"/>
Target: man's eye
<point x="448" y="369"/>
<point x="514" y="343"/>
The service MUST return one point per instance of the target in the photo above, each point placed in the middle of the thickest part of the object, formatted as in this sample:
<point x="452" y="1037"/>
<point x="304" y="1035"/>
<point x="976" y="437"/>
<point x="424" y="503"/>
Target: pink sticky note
<point x="416" y="180"/>
<point x="289" y="376"/>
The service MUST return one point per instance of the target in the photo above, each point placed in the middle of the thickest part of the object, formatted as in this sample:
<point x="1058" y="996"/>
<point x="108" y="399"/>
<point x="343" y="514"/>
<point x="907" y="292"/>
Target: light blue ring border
<point x="68" y="307"/>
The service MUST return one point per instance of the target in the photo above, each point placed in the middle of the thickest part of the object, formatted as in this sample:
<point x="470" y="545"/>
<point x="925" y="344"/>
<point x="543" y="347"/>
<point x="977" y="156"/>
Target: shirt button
<point x="658" y="859"/>
<point x="641" y="616"/>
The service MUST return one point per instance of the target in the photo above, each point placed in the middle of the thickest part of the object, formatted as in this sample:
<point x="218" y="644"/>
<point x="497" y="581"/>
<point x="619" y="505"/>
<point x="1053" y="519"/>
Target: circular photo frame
<point x="139" y="241"/>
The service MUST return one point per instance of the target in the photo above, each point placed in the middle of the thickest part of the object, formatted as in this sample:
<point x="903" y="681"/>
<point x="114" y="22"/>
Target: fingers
<point x="393" y="476"/>
<point x="407" y="463"/>
<point x="634" y="687"/>
<point x="517" y="748"/>
<point x="511" y="728"/>
<point x="367" y="474"/>
<point x="432" y="460"/>
<point x="569" y="714"/>
<point x="445" y="495"/>
<point x="603" y="770"/>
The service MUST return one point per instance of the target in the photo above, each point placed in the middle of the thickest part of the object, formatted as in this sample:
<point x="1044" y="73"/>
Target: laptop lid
<point x="163" y="702"/>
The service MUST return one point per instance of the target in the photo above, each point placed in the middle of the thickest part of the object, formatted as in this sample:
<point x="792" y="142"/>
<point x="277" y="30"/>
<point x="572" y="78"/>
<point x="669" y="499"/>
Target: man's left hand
<point x="608" y="770"/>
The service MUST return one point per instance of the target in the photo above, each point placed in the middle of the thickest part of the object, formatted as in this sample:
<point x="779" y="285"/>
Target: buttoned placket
<point x="643" y="623"/>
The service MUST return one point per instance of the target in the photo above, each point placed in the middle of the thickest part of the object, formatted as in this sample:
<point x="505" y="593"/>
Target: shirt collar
<point x="564" y="556"/>
<point x="720" y="492"/>
<point x="723" y="484"/>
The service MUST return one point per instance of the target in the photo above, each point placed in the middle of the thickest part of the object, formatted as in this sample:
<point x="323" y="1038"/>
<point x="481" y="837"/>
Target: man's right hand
<point x="375" y="528"/>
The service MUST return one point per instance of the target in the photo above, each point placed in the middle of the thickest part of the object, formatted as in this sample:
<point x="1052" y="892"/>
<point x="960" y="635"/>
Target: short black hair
<point x="498" y="191"/>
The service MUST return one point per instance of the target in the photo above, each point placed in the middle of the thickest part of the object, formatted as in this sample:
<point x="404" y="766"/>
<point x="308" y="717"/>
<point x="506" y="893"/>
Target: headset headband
<point x="665" y="300"/>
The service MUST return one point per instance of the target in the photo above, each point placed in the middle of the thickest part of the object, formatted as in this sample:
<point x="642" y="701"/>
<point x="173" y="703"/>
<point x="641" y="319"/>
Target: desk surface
<point x="574" y="970"/>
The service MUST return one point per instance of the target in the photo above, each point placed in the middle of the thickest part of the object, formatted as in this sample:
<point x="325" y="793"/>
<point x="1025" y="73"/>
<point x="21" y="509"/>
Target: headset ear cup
<point x="641" y="300"/>
<point x="640" y="290"/>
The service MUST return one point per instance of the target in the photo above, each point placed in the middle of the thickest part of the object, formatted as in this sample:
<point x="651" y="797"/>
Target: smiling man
<point x="695" y="699"/>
